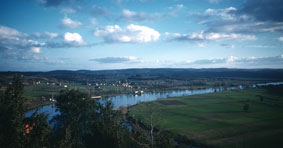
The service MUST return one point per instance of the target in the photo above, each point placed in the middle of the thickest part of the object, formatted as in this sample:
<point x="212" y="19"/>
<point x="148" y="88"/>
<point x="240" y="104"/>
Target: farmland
<point x="218" y="119"/>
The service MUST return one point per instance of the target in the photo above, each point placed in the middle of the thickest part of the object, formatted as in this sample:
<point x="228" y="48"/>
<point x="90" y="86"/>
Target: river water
<point x="130" y="99"/>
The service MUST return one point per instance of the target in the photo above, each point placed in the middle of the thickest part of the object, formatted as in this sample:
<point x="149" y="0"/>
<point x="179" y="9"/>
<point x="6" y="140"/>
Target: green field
<point x="218" y="119"/>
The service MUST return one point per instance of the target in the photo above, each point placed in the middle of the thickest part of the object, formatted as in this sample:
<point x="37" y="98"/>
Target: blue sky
<point x="44" y="35"/>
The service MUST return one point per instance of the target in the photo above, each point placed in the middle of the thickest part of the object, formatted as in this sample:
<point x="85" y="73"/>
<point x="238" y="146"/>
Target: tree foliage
<point x="16" y="129"/>
<point x="82" y="122"/>
<point x="12" y="114"/>
<point x="87" y="123"/>
<point x="246" y="107"/>
<point x="36" y="131"/>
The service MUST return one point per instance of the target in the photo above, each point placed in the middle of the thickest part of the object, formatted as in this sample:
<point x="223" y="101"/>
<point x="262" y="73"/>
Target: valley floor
<point x="218" y="119"/>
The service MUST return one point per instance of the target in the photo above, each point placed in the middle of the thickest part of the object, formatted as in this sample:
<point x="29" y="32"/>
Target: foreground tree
<point x="87" y="123"/>
<point x="12" y="114"/>
<point x="72" y="125"/>
<point x="246" y="107"/>
<point x="16" y="129"/>
<point x="36" y="131"/>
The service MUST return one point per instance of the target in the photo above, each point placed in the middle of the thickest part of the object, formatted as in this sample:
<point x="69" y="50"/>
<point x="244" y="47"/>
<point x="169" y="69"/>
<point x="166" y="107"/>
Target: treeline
<point x="154" y="74"/>
<point x="82" y="122"/>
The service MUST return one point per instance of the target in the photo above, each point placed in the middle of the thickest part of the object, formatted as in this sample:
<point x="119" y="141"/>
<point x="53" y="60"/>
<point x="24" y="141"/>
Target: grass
<point x="218" y="119"/>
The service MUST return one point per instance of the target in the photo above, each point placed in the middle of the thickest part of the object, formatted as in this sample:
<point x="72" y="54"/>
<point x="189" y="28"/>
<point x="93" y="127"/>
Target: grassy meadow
<point x="218" y="119"/>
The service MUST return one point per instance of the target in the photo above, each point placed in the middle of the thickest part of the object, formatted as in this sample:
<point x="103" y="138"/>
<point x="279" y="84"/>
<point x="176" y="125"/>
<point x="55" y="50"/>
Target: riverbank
<point x="218" y="119"/>
<point x="33" y="104"/>
<point x="132" y="99"/>
<point x="34" y="94"/>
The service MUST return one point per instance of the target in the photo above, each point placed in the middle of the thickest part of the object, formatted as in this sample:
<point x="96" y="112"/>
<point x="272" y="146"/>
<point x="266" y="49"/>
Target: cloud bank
<point x="111" y="60"/>
<point x="129" y="34"/>
<point x="244" y="20"/>
<point x="22" y="46"/>
<point x="236" y="62"/>
<point x="201" y="36"/>
<point x="134" y="16"/>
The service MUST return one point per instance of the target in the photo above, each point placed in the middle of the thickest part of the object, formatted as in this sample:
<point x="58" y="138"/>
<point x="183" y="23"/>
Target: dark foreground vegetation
<point x="82" y="123"/>
<point x="250" y="118"/>
<point x="40" y="87"/>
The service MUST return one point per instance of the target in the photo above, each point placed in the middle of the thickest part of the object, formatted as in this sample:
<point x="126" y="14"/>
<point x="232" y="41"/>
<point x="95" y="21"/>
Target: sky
<point x="45" y="35"/>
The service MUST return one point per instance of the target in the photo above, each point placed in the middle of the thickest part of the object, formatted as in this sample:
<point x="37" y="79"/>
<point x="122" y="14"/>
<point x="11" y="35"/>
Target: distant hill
<point x="177" y="73"/>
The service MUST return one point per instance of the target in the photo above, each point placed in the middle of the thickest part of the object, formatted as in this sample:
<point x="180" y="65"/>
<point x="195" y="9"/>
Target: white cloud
<point x="124" y="59"/>
<point x="44" y="35"/>
<point x="202" y="36"/>
<point x="201" y="44"/>
<point x="15" y="40"/>
<point x="68" y="10"/>
<point x="188" y="61"/>
<point x="132" y="16"/>
<point x="244" y="62"/>
<point x="251" y="58"/>
<point x="51" y="35"/>
<point x="69" y="23"/>
<point x="232" y="36"/>
<point x="23" y="47"/>
<point x="135" y="16"/>
<point x="231" y="59"/>
<point x="260" y="46"/>
<point x="224" y="13"/>
<point x="17" y="45"/>
<point x="9" y="32"/>
<point x="179" y="6"/>
<point x="128" y="13"/>
<point x="280" y="39"/>
<point x="228" y="45"/>
<point x="232" y="20"/>
<point x="12" y="38"/>
<point x="130" y="34"/>
<point x="35" y="49"/>
<point x="73" y="38"/>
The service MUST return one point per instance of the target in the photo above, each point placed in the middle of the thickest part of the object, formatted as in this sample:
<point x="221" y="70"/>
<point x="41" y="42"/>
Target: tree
<point x="261" y="98"/>
<point x="72" y="124"/>
<point x="37" y="131"/>
<point x="246" y="107"/>
<point x="16" y="129"/>
<point x="84" y="122"/>
<point x="12" y="112"/>
<point x="154" y="138"/>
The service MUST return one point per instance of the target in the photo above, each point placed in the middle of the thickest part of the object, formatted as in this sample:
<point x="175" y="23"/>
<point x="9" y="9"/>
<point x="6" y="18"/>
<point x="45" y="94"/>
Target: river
<point x="130" y="99"/>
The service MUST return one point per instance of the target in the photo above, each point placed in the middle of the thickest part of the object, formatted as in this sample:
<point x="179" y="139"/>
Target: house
<point x="95" y="97"/>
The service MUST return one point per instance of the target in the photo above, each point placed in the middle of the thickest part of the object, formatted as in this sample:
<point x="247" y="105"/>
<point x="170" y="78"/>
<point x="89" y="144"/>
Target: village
<point x="47" y="91"/>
